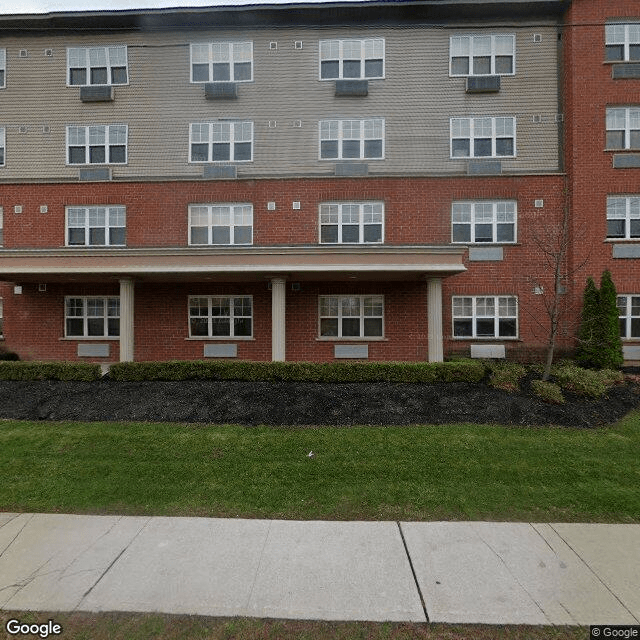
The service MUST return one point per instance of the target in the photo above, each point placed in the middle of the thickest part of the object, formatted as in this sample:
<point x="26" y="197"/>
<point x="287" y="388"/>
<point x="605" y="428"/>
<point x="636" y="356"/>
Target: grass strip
<point x="451" y="472"/>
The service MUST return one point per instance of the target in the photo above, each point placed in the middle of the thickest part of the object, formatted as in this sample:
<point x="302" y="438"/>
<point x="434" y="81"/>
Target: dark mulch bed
<point x="303" y="403"/>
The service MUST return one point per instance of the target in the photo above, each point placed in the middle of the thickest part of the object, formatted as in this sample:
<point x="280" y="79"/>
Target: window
<point x="3" y="68"/>
<point x="485" y="317"/>
<point x="97" y="144"/>
<point x="96" y="66"/>
<point x="351" y="222"/>
<point x="623" y="128"/>
<point x="220" y="317"/>
<point x="221" y="142"/>
<point x="1" y="226"/>
<point x="92" y="317"/>
<point x="222" y="62"/>
<point x="623" y="217"/>
<point x="482" y="55"/>
<point x="351" y="139"/>
<point x="622" y="42"/>
<point x="483" y="137"/>
<point x="351" y="316"/>
<point x="2" y="146"/>
<point x="220" y="224"/>
<point x="352" y="59"/>
<point x="96" y="226"/>
<point x="629" y="311"/>
<point x="1" y="320"/>
<point x="483" y="221"/>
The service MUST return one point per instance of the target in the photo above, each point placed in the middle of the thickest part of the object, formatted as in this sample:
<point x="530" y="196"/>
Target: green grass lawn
<point x="464" y="472"/>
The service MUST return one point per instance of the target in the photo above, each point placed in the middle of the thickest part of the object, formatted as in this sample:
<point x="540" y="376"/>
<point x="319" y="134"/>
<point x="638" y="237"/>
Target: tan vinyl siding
<point x="416" y="99"/>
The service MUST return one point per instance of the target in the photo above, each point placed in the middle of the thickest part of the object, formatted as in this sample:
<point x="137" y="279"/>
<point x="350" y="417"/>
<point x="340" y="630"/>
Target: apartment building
<point x="312" y="182"/>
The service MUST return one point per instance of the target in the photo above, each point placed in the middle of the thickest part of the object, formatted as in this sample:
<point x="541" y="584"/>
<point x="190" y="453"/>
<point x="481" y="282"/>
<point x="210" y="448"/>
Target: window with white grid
<point x="220" y="224"/>
<point x="623" y="128"/>
<point x="352" y="59"/>
<point x="482" y="55"/>
<point x="622" y="42"/>
<point x="220" y="317"/>
<point x="1" y="226"/>
<point x="97" y="66"/>
<point x="221" y="141"/>
<point x="96" y="226"/>
<point x="222" y="62"/>
<point x="487" y="137"/>
<point x="351" y="222"/>
<point x="351" y="316"/>
<point x="89" y="317"/>
<point x="483" y="221"/>
<point x="629" y="316"/>
<point x="485" y="316"/>
<point x="3" y="68"/>
<point x="2" y="146"/>
<point x="97" y="144"/>
<point x="351" y="139"/>
<point x="623" y="217"/>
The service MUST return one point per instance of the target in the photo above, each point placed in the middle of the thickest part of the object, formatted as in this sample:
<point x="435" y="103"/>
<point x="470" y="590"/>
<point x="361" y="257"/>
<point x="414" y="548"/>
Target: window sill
<point x="622" y="240"/>
<point x="91" y="338"/>
<point x="337" y="339"/>
<point x="219" y="338"/>
<point x="485" y="339"/>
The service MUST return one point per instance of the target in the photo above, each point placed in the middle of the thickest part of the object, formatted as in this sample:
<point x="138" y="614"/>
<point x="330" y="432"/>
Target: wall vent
<point x="559" y="117"/>
<point x="272" y="124"/>
<point x="22" y="128"/>
<point x="23" y="53"/>
<point x="298" y="44"/>
<point x="44" y="208"/>
<point x="537" y="119"/>
<point x="46" y="128"/>
<point x="17" y="208"/>
<point x="537" y="37"/>
<point x="48" y="53"/>
<point x="42" y="287"/>
<point x="297" y="124"/>
<point x="273" y="46"/>
<point x="271" y="206"/>
<point x="538" y="204"/>
<point x="295" y="205"/>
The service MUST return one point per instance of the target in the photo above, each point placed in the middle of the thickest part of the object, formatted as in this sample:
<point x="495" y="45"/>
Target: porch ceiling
<point x="230" y="263"/>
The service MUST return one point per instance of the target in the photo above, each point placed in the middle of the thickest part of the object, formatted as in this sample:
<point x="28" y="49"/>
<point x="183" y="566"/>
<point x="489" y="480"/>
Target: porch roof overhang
<point x="230" y="264"/>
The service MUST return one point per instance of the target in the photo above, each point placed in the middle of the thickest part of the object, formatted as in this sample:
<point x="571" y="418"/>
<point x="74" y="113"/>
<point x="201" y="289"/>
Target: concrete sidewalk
<point x="483" y="572"/>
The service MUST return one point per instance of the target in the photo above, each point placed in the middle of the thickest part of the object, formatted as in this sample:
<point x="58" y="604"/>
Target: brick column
<point x="434" y="318"/>
<point x="278" y="300"/>
<point x="126" y="320"/>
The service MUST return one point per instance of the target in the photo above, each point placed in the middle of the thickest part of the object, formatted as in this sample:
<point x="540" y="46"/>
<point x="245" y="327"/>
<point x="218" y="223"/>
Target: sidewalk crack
<point x="255" y="577"/>
<point x="413" y="571"/>
<point x="17" y="534"/>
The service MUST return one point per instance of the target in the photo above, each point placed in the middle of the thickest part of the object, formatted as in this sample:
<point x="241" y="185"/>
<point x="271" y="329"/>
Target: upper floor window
<point x="623" y="217"/>
<point x="97" y="144"/>
<point x="220" y="224"/>
<point x="483" y="137"/>
<point x="221" y="317"/>
<point x="87" y="317"/>
<point x="351" y="222"/>
<point x="221" y="141"/>
<point x="482" y="55"/>
<point x="351" y="139"/>
<point x="485" y="317"/>
<point x="622" y="42"/>
<point x="97" y="65"/>
<point x="96" y="226"/>
<point x="623" y="128"/>
<point x="629" y="316"/>
<point x="222" y="62"/>
<point x="351" y="316"/>
<point x="1" y="226"/>
<point x="352" y="59"/>
<point x="483" y="221"/>
<point x="3" y="68"/>
<point x="2" y="146"/>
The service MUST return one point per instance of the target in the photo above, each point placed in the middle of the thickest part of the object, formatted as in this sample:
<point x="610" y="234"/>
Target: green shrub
<point x="9" y="355"/>
<point x="547" y="391"/>
<point x="49" y="371"/>
<point x="582" y="382"/>
<point x="506" y="375"/>
<point x="417" y="372"/>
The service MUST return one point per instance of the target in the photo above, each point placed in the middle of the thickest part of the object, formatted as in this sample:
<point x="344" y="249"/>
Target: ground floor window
<point x="87" y="317"/>
<point x="351" y="316"/>
<point x="629" y="312"/>
<point x="485" y="317"/>
<point x="221" y="316"/>
<point x="1" y="320"/>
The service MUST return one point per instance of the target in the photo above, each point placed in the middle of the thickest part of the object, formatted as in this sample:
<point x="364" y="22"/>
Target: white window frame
<point x="240" y="132"/>
<point x="340" y="301"/>
<point x="621" y="119"/>
<point x="337" y="50"/>
<point x="114" y="217"/>
<point x="233" y="306"/>
<point x="1" y="319"/>
<point x="473" y="45"/>
<point x="108" y="53"/>
<point x="627" y="209"/>
<point x="476" y="311"/>
<point x="3" y="147"/>
<point x="221" y="52"/>
<point x="239" y="215"/>
<point x="625" y="35"/>
<point x="339" y="131"/>
<point x="3" y="68"/>
<point x="625" y="312"/>
<point x="88" y="131"/>
<point x="369" y="214"/>
<point x="485" y="212"/>
<point x="1" y="226"/>
<point x="474" y="127"/>
<point x="106" y="301"/>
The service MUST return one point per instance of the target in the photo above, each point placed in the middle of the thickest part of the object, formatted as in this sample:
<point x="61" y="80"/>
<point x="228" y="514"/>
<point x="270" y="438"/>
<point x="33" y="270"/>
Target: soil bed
<point x="303" y="404"/>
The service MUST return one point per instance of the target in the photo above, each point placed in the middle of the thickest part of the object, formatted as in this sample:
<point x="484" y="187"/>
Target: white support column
<point x="434" y="318"/>
<point x="126" y="320"/>
<point x="278" y="300"/>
